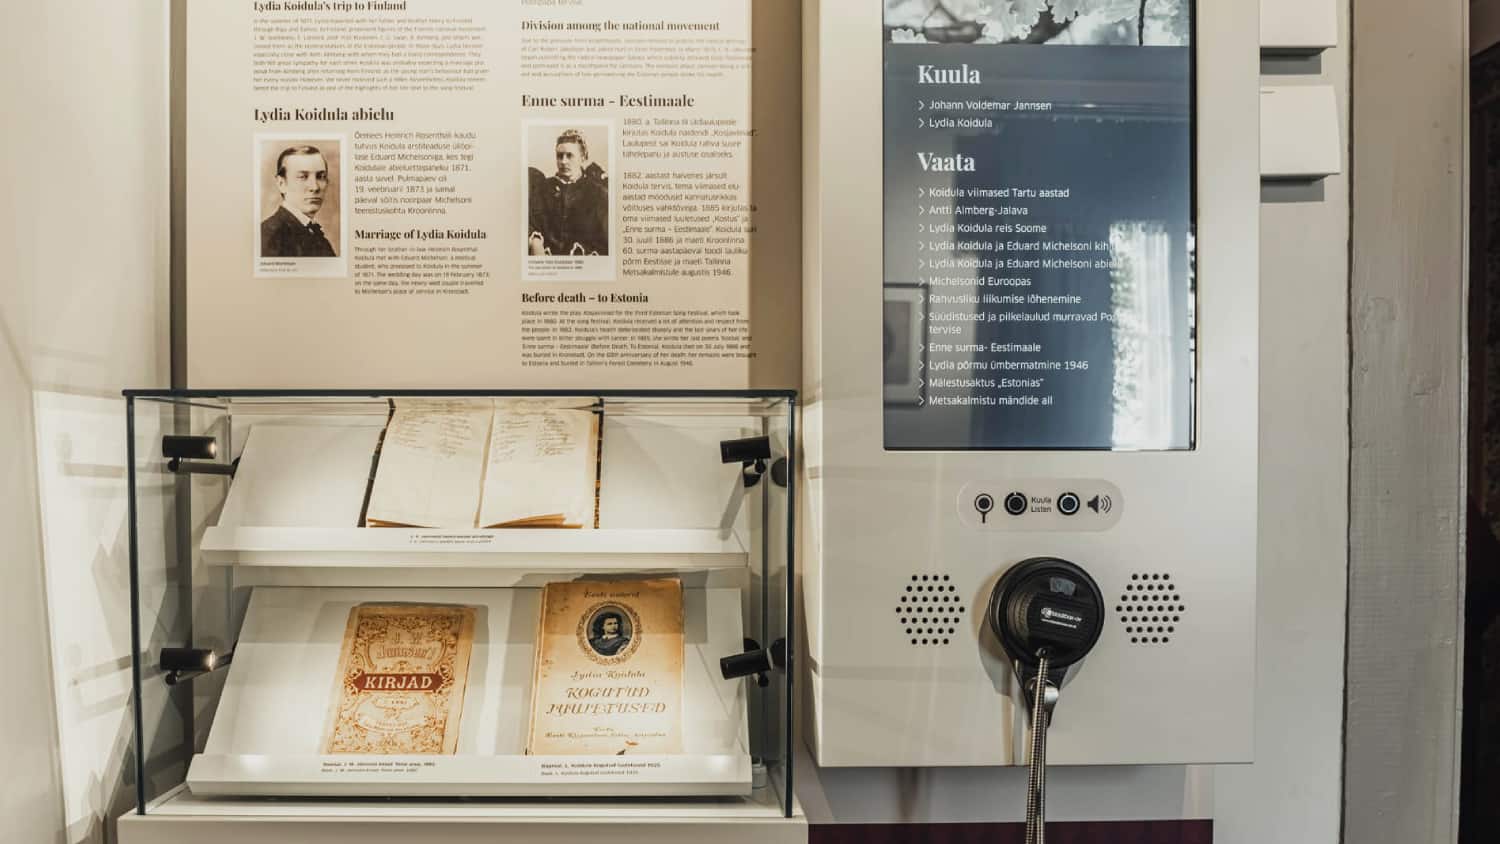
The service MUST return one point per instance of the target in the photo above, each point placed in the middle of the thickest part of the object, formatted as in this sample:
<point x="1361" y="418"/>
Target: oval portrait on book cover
<point x="609" y="632"/>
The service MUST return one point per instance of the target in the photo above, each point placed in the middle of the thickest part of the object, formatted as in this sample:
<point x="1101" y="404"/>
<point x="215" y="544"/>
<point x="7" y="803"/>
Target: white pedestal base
<point x="184" y="819"/>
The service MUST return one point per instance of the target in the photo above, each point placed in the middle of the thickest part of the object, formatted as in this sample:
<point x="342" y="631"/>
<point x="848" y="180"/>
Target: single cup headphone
<point x="1046" y="605"/>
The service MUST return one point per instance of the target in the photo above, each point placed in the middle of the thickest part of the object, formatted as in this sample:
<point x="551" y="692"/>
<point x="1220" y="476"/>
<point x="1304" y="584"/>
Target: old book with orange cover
<point x="401" y="680"/>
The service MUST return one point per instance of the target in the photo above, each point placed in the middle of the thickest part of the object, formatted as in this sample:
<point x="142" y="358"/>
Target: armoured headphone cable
<point x="1036" y="786"/>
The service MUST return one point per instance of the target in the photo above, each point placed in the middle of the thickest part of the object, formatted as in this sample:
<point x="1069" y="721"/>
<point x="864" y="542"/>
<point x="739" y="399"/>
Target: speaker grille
<point x="930" y="610"/>
<point x="1151" y="609"/>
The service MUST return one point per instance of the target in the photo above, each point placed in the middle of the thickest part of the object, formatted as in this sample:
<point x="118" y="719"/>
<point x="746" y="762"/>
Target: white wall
<point x="31" y="805"/>
<point x="84" y="314"/>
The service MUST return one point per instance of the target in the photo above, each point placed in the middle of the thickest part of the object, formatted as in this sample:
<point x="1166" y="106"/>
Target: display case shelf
<point x="182" y="803"/>
<point x="727" y="775"/>
<point x="516" y="550"/>
<point x="181" y="817"/>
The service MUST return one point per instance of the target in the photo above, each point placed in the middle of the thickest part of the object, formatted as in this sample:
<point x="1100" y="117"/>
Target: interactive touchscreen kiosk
<point x="1031" y="341"/>
<point x="1038" y="241"/>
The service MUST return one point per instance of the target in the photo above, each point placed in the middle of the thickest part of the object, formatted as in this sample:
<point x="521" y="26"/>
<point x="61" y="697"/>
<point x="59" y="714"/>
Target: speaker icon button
<point x="1068" y="503"/>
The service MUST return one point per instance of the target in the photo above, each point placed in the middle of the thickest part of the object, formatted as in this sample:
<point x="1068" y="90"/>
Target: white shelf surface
<point x="268" y="729"/>
<point x="184" y="818"/>
<point x="472" y="776"/>
<point x="760" y="804"/>
<point x="538" y="549"/>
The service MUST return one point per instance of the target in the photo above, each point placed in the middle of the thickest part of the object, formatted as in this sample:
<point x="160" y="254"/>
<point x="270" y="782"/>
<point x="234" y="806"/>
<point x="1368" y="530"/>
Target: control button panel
<point x="1072" y="504"/>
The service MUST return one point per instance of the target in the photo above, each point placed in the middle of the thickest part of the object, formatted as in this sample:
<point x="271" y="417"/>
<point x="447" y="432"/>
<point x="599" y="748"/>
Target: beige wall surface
<point x="83" y="314"/>
<point x="1409" y="395"/>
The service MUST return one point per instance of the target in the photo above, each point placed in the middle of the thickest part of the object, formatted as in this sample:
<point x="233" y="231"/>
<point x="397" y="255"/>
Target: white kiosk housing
<point x="900" y="555"/>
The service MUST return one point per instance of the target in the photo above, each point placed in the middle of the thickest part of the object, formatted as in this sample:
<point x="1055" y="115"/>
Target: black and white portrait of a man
<point x="303" y="182"/>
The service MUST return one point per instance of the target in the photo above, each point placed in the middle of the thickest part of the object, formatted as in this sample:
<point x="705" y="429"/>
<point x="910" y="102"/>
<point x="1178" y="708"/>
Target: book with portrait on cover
<point x="608" y="671"/>
<point x="401" y="678"/>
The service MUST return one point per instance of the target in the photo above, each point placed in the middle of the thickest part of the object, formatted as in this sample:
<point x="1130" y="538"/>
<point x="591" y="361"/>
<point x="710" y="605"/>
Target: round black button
<point x="984" y="503"/>
<point x="1016" y="503"/>
<point x="1068" y="504"/>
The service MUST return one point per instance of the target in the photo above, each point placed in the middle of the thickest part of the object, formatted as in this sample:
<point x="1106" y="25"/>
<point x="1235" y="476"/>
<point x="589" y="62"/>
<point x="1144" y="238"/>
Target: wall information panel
<point x="1038" y="225"/>
<point x="461" y="193"/>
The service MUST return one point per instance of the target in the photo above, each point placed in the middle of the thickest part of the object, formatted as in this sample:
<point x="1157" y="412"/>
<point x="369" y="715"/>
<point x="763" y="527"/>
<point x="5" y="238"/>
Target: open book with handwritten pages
<point x="488" y="463"/>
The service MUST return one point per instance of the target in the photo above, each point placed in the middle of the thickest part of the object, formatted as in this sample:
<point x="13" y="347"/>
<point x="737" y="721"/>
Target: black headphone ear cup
<point x="1046" y="603"/>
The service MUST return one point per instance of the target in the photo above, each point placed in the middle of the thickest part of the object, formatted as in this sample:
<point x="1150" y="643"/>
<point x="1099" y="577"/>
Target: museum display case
<point x="327" y="616"/>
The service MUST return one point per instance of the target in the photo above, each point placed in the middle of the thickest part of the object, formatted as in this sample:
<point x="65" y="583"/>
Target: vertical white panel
<point x="1292" y="793"/>
<point x="83" y="316"/>
<point x="32" y="804"/>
